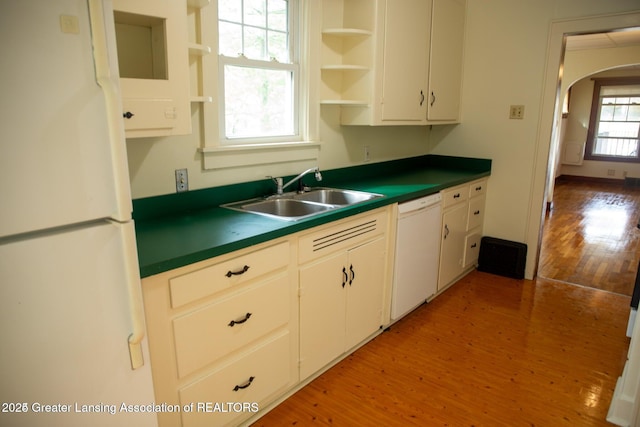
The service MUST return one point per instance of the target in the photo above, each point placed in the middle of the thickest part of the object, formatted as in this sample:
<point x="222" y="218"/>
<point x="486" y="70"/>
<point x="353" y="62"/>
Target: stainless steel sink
<point x="296" y="206"/>
<point x="333" y="196"/>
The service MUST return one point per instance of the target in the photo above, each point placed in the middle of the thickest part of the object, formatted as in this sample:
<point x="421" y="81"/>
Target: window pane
<point x="255" y="43"/>
<point x="620" y="113"/>
<point x="255" y="13"/>
<point x="258" y="102"/>
<point x="230" y="39"/>
<point x="617" y="129"/>
<point x="616" y="147"/>
<point x="278" y="46"/>
<point x="634" y="113"/>
<point x="230" y="10"/>
<point x="278" y="15"/>
<point x="606" y="113"/>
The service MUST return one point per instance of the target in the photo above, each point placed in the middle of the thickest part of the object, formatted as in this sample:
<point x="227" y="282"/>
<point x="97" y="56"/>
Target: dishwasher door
<point x="417" y="254"/>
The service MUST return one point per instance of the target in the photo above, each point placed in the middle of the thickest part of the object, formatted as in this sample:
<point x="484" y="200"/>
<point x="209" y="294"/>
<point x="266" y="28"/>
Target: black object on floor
<point x="502" y="257"/>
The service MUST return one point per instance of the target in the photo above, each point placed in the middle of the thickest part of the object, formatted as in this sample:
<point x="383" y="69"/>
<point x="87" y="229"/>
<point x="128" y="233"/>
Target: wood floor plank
<point x="491" y="351"/>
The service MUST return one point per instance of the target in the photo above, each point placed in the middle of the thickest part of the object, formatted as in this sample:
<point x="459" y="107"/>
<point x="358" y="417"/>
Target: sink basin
<point x="286" y="208"/>
<point x="334" y="196"/>
<point x="294" y="206"/>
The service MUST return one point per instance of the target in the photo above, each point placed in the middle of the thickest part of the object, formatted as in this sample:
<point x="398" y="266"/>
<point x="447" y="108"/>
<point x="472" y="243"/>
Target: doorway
<point x="550" y="119"/>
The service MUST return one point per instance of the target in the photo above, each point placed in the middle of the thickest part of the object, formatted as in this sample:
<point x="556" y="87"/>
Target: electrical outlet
<point x="182" y="180"/>
<point x="367" y="153"/>
<point x="516" y="112"/>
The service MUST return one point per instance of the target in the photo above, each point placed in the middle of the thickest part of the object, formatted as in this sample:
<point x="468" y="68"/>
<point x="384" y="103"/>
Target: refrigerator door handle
<point x="136" y="306"/>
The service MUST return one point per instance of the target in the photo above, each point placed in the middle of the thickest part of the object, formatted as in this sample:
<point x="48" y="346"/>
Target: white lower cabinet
<point x="344" y="281"/>
<point x="462" y="220"/>
<point x="454" y="226"/>
<point x="341" y="299"/>
<point x="223" y="334"/>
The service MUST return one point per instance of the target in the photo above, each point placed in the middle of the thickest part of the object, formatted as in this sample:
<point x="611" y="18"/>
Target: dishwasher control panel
<point x="423" y="202"/>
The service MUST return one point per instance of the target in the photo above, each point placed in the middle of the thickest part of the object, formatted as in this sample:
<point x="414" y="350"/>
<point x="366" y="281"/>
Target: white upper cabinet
<point x="445" y="73"/>
<point x="151" y="37"/>
<point x="405" y="65"/>
<point x="408" y="65"/>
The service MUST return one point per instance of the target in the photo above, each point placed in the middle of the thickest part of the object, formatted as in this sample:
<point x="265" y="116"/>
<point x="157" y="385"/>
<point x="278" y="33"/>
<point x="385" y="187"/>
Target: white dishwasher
<point x="417" y="253"/>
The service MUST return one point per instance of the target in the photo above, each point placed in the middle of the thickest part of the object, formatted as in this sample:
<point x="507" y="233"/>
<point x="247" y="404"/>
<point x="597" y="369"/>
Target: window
<point x="258" y="71"/>
<point x="614" y="125"/>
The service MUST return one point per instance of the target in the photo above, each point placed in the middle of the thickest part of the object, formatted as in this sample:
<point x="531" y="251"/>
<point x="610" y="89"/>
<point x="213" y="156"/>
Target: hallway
<point x="591" y="236"/>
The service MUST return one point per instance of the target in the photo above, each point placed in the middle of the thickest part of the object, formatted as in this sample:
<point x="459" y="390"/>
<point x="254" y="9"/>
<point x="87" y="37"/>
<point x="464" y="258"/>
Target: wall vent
<point x="345" y="234"/>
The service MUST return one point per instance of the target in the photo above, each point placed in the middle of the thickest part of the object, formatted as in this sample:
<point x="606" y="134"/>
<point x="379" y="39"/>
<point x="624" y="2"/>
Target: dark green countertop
<point x="179" y="229"/>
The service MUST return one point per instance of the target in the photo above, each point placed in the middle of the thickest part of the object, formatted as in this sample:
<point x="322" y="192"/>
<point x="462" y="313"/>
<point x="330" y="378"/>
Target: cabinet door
<point x="322" y="312"/>
<point x="445" y="74"/>
<point x="153" y="61"/>
<point x="454" y="224"/>
<point x="365" y="291"/>
<point x="406" y="43"/>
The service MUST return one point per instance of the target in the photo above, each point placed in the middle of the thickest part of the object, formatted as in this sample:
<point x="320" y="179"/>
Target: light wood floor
<point x="591" y="236"/>
<point x="490" y="351"/>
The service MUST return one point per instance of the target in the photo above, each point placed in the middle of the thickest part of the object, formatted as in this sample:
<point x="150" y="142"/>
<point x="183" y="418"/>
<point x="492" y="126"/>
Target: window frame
<point x="594" y="119"/>
<point x="294" y="43"/>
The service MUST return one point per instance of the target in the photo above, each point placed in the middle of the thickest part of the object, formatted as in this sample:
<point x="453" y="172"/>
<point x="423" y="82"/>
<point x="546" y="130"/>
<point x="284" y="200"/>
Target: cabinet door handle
<point x="353" y="274"/>
<point x="446" y="231"/>
<point x="237" y="322"/>
<point x="433" y="98"/>
<point x="421" y="98"/>
<point x="237" y="273"/>
<point x="128" y="115"/>
<point x="345" y="277"/>
<point x="245" y="385"/>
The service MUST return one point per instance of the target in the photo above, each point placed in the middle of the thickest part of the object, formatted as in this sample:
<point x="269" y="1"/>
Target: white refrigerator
<point x="72" y="347"/>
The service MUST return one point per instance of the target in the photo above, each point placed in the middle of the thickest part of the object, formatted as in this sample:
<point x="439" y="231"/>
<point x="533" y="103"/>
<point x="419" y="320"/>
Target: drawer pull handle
<point x="474" y="245"/>
<point x="345" y="278"/>
<point x="237" y="322"/>
<point x="237" y="273"/>
<point x="478" y="188"/>
<point x="353" y="275"/>
<point x="476" y="213"/>
<point x="128" y="115"/>
<point x="245" y="385"/>
<point x="456" y="196"/>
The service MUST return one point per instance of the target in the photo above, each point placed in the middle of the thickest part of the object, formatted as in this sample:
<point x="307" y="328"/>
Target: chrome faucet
<point x="281" y="186"/>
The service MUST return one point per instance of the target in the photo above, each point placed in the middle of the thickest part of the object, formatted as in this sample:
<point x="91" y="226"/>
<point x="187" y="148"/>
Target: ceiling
<point x="627" y="37"/>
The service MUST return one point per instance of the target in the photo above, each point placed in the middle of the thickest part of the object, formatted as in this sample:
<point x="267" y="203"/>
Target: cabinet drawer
<point x="250" y="379"/>
<point x="224" y="275"/>
<point x="454" y="195"/>
<point x="476" y="213"/>
<point x="477" y="188"/>
<point x="347" y="234"/>
<point x="207" y="334"/>
<point x="471" y="249"/>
